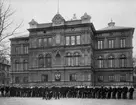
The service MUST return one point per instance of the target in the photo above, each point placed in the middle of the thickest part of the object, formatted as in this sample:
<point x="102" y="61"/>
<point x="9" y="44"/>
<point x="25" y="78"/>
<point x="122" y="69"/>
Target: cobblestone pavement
<point x="72" y="101"/>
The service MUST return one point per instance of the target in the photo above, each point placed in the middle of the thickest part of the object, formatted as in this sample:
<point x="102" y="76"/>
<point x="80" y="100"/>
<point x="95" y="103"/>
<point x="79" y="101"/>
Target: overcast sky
<point x="122" y="12"/>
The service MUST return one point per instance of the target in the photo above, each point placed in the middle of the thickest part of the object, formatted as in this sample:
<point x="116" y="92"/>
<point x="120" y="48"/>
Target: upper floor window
<point x="100" y="78"/>
<point x="45" y="42"/>
<point x="17" y="80"/>
<point x="76" y="59"/>
<point x="122" y="43"/>
<point x="68" y="59"/>
<point x="25" y="49"/>
<point x="17" y="50"/>
<point x="72" y="77"/>
<point x="40" y="42"/>
<point x="111" y="43"/>
<point x="44" y="78"/>
<point x="41" y="61"/>
<point x="58" y="59"/>
<point x="25" y="79"/>
<point x="67" y="40"/>
<point x="111" y="78"/>
<point x="49" y="41"/>
<point x="111" y="61"/>
<point x="72" y="40"/>
<point x="100" y="44"/>
<point x="100" y="62"/>
<point x="25" y="65"/>
<point x="122" y="61"/>
<point x="122" y="78"/>
<point x="16" y="65"/>
<point x="78" y="40"/>
<point x="48" y="60"/>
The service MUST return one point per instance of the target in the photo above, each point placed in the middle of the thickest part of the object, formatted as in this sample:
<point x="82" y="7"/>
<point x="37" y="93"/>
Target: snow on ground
<point x="66" y="101"/>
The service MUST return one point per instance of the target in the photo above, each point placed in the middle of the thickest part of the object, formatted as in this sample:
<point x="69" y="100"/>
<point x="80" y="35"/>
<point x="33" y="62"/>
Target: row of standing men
<point x="68" y="92"/>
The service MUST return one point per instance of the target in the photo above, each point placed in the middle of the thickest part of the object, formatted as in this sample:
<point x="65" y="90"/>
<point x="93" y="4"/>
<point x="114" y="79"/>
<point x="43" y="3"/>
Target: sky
<point x="122" y="12"/>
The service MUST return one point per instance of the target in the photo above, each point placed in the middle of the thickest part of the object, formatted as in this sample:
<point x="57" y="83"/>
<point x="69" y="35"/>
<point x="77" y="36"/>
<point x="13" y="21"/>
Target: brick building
<point x="72" y="53"/>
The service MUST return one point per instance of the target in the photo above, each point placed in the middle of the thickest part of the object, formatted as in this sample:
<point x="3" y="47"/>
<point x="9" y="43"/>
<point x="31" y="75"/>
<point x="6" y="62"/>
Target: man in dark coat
<point x="131" y="90"/>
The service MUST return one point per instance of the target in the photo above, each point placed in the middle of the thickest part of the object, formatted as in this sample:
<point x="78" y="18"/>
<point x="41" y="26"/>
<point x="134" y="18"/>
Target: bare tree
<point x="6" y="31"/>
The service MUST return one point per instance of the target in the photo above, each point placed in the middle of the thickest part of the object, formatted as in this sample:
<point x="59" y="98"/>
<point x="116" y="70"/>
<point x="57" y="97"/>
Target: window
<point x="44" y="78"/>
<point x="111" y="78"/>
<point x="86" y="59"/>
<point x="58" y="59"/>
<point x="16" y="65"/>
<point x="40" y="43"/>
<point x="111" y="61"/>
<point x="72" y="77"/>
<point x="122" y="78"/>
<point x="100" y="62"/>
<point x="25" y="79"/>
<point x="17" y="80"/>
<point x="72" y="40"/>
<point x="100" y="44"/>
<point x="49" y="41"/>
<point x="17" y="50"/>
<point x="45" y="42"/>
<point x="122" y="61"/>
<point x="48" y="60"/>
<point x="25" y="65"/>
<point x="67" y="40"/>
<point x="25" y="49"/>
<point x="41" y="61"/>
<point x="76" y="59"/>
<point x="122" y="43"/>
<point x="100" y="78"/>
<point x="34" y="43"/>
<point x="68" y="59"/>
<point x="111" y="43"/>
<point x="78" y="40"/>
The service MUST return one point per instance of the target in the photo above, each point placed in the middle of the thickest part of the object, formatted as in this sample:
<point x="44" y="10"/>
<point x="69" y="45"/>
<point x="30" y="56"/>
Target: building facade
<point x="72" y="53"/>
<point x="4" y="71"/>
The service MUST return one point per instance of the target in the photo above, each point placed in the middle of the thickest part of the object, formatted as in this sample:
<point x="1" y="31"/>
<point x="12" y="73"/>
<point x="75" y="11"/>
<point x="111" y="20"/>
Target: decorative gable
<point x="58" y="20"/>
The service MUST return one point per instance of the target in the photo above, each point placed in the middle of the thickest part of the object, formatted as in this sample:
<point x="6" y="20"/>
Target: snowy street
<point x="66" y="101"/>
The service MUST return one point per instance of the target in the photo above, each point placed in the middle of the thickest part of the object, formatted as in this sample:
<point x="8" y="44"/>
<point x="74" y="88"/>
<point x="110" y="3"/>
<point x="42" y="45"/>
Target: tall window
<point x="17" y="80"/>
<point x="76" y="59"/>
<point x="122" y="43"/>
<point x="122" y="61"/>
<point x="72" y="77"/>
<point x="100" y="62"/>
<point x="45" y="42"/>
<point x="111" y="61"/>
<point x="86" y="59"/>
<point x="16" y="65"/>
<point x="78" y="40"/>
<point x="67" y="40"/>
<point x="44" y="77"/>
<point x="58" y="59"/>
<point x="111" y="78"/>
<point x="25" y="49"/>
<point x="25" y="79"/>
<point x="72" y="40"/>
<point x="100" y="44"/>
<point x="111" y="43"/>
<point x="49" y="41"/>
<point x="41" y="61"/>
<point x="17" y="50"/>
<point x="48" y="60"/>
<point x="100" y="78"/>
<point x="25" y="65"/>
<point x="122" y="78"/>
<point x="68" y="59"/>
<point x="40" y="42"/>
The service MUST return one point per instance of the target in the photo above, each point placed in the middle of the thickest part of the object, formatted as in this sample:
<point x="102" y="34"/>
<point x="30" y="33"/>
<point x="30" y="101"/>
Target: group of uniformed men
<point x="68" y="92"/>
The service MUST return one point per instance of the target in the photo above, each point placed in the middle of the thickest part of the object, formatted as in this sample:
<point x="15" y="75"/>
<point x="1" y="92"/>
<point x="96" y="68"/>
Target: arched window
<point x="100" y="62"/>
<point x="76" y="59"/>
<point x="69" y="59"/>
<point x="48" y="60"/>
<point x="41" y="61"/>
<point x="25" y="65"/>
<point x="111" y="61"/>
<point x="16" y="65"/>
<point x="17" y="80"/>
<point x="58" y="59"/>
<point x="122" y="61"/>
